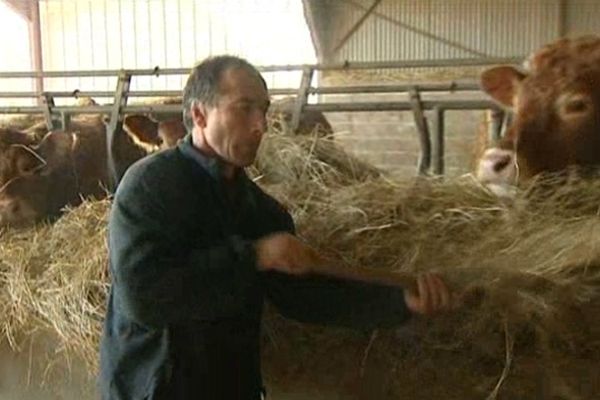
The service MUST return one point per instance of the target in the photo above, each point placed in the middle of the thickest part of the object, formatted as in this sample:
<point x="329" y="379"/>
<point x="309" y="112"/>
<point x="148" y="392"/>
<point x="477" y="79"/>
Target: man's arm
<point x="319" y="299"/>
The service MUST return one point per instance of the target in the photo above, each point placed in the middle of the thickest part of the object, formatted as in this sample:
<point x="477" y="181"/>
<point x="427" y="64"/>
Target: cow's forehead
<point x="579" y="51"/>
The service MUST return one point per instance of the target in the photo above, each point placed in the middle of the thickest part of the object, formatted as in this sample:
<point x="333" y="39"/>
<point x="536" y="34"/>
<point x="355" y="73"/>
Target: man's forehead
<point x="237" y="78"/>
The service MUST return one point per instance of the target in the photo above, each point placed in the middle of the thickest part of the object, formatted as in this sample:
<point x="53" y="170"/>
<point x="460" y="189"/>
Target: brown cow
<point x="557" y="113"/>
<point x="310" y="121"/>
<point x="59" y="171"/>
<point x="11" y="142"/>
<point x="154" y="135"/>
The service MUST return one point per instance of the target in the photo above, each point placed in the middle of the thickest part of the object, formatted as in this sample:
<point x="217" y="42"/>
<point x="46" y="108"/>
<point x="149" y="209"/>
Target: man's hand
<point x="432" y="296"/>
<point x="284" y="252"/>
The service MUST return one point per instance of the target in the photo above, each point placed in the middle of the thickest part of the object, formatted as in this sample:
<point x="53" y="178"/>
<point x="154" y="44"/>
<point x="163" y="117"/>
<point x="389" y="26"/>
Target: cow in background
<point x="60" y="170"/>
<point x="310" y="121"/>
<point x="154" y="135"/>
<point x="556" y="104"/>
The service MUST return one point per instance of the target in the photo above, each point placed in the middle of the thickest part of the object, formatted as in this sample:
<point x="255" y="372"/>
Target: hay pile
<point x="537" y="260"/>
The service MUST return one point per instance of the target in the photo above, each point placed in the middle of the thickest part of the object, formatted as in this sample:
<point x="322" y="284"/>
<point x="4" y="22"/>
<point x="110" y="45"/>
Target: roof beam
<point x="357" y="25"/>
<point x="22" y="8"/>
<point x="310" y="15"/>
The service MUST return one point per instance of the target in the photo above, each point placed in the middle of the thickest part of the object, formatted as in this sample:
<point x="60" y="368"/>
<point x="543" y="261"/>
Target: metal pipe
<point x="35" y="37"/>
<point x="424" y="87"/>
<point x="438" y="140"/>
<point x="452" y="62"/>
<point x="324" y="107"/>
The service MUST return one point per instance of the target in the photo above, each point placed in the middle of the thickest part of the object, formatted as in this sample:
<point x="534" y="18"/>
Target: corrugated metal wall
<point x="15" y="50"/>
<point x="112" y="34"/>
<point x="434" y="29"/>
<point x="583" y="17"/>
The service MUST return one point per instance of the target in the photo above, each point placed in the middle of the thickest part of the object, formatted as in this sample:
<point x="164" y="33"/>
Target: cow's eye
<point x="574" y="105"/>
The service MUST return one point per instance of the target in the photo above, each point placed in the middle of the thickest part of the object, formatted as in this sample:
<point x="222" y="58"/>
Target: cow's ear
<point x="501" y="83"/>
<point x="141" y="129"/>
<point x="24" y="160"/>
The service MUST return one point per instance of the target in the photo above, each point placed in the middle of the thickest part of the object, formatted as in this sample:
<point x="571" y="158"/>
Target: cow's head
<point x="13" y="143"/>
<point x="42" y="182"/>
<point x="556" y="106"/>
<point x="153" y="135"/>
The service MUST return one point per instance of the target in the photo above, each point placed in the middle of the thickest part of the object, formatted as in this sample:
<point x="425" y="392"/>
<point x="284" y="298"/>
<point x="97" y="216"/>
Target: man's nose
<point x="259" y="123"/>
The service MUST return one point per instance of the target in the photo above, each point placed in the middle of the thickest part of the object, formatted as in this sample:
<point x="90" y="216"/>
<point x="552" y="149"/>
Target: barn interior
<point x="377" y="124"/>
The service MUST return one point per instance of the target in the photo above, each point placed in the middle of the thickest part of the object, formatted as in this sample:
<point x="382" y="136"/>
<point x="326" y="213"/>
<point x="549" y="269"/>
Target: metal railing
<point x="431" y="158"/>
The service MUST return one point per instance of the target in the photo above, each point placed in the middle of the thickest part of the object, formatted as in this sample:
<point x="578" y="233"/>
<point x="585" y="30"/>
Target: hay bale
<point x="307" y="158"/>
<point x="537" y="260"/>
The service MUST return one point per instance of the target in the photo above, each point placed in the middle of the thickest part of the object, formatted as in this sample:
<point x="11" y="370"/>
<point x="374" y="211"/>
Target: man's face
<point x="235" y="125"/>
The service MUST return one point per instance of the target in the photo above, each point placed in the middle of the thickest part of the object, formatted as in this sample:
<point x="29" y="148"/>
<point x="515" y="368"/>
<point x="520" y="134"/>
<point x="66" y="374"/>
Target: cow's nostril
<point x="501" y="164"/>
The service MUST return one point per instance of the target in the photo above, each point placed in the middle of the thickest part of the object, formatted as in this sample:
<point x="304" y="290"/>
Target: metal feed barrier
<point x="431" y="158"/>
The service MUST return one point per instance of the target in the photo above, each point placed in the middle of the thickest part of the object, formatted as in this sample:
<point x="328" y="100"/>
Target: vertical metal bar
<point x="165" y="47"/>
<point x="64" y="39"/>
<point x="164" y="8"/>
<point x="48" y="101"/>
<point x="210" y="32"/>
<point x="108" y="65"/>
<point x="92" y="44"/>
<point x="438" y="142"/>
<point x="150" y="53"/>
<point x="301" y="97"/>
<point x="423" y="130"/>
<point x="495" y="129"/>
<point x="135" y="35"/>
<point x="35" y="39"/>
<point x="196" y="41"/>
<point x="115" y="172"/>
<point x="506" y="122"/>
<point x="179" y="33"/>
<point x="65" y="120"/>
<point x="78" y="41"/>
<point x="120" y="44"/>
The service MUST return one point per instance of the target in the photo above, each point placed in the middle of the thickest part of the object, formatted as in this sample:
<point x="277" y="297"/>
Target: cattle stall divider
<point x="431" y="157"/>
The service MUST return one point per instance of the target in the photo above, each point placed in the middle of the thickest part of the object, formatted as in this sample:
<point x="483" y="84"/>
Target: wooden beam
<point x="357" y="25"/>
<point x="20" y="7"/>
<point x="35" y="43"/>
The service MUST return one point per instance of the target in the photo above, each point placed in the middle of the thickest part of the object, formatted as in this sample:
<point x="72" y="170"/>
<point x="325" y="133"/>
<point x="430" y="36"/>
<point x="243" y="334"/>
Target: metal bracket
<point x="437" y="148"/>
<point x="495" y="129"/>
<point x="115" y="124"/>
<point x="423" y="130"/>
<point x="65" y="120"/>
<point x="48" y="104"/>
<point x="301" y="97"/>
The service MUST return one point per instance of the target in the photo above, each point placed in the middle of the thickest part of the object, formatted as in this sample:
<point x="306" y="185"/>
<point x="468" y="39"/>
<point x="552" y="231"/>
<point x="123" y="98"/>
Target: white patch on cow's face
<point x="497" y="168"/>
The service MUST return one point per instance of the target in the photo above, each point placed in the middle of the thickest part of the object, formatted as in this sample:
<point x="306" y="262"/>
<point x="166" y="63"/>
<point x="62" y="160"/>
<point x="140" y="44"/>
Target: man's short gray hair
<point x="203" y="83"/>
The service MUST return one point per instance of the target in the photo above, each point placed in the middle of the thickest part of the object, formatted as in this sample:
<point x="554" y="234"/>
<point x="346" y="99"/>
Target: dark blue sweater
<point x="185" y="304"/>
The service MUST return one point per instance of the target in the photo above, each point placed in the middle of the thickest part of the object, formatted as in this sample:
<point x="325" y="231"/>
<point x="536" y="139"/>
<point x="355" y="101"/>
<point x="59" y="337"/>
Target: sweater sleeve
<point x="324" y="300"/>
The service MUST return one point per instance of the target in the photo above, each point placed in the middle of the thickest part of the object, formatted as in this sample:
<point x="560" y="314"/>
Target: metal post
<point x="115" y="124"/>
<point x="437" y="148"/>
<point x="301" y="97"/>
<point x="423" y="131"/>
<point x="48" y="104"/>
<point x="65" y="120"/>
<point x="495" y="129"/>
<point x="506" y="122"/>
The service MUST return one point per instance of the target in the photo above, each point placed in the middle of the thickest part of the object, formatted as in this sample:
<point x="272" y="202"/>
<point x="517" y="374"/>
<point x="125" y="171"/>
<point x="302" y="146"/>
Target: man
<point x="196" y="247"/>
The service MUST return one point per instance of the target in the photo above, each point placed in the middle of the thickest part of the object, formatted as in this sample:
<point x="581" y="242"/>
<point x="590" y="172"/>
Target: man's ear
<point x="199" y="112"/>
